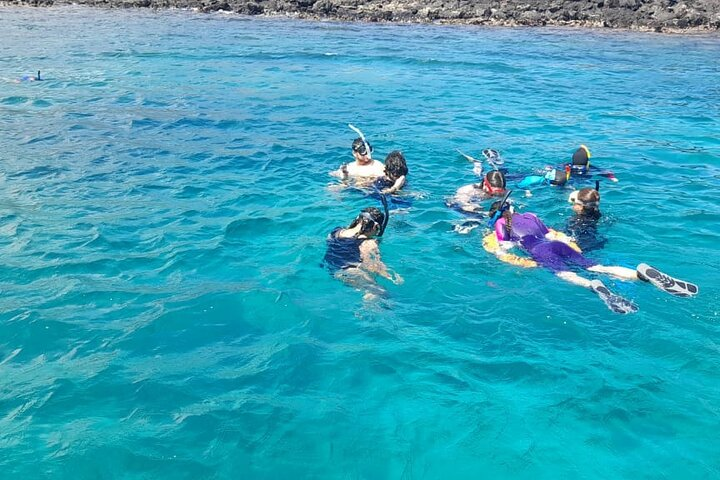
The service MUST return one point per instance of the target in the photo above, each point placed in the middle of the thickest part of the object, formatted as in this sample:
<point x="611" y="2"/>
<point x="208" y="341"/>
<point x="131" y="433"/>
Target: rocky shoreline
<point x="645" y="15"/>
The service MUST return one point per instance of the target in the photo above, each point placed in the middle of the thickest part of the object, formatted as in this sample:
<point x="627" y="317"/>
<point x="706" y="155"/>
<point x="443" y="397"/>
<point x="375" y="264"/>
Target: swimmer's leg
<point x="618" y="272"/>
<point x="665" y="282"/>
<point x="467" y="226"/>
<point x="575" y="279"/>
<point x="362" y="281"/>
<point x="616" y="303"/>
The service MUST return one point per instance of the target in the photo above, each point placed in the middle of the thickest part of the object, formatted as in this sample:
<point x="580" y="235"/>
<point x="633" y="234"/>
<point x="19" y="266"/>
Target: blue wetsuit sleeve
<point x="530" y="181"/>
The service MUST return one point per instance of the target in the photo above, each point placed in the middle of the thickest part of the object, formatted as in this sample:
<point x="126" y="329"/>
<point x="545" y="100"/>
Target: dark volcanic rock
<point x="657" y="15"/>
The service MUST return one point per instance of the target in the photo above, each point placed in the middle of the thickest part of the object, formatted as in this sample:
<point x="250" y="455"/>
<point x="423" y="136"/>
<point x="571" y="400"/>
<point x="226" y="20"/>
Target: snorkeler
<point x="556" y="177"/>
<point x="353" y="254"/>
<point x="364" y="170"/>
<point x="580" y="165"/>
<point x="30" y="78"/>
<point x="578" y="168"/>
<point x="556" y="252"/>
<point x="582" y="226"/>
<point x="468" y="197"/>
<point x="395" y="174"/>
<point x="492" y="156"/>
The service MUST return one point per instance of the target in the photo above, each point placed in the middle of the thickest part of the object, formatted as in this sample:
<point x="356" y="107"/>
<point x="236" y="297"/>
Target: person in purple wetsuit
<point x="559" y="254"/>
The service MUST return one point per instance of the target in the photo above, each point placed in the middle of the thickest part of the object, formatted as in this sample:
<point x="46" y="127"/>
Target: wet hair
<point x="589" y="198"/>
<point x="395" y="165"/>
<point x="358" y="146"/>
<point x="507" y="215"/>
<point x="495" y="178"/>
<point x="369" y="218"/>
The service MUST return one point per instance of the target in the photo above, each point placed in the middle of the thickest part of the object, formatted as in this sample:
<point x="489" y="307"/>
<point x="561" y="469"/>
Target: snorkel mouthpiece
<point x="504" y="205"/>
<point x="368" y="152"/>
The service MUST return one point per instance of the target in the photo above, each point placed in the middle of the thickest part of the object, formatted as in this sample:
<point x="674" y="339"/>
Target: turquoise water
<point x="163" y="207"/>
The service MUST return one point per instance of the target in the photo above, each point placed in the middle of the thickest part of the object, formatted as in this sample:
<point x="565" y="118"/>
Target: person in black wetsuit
<point x="353" y="254"/>
<point x="396" y="171"/>
<point x="393" y="181"/>
<point x="583" y="225"/>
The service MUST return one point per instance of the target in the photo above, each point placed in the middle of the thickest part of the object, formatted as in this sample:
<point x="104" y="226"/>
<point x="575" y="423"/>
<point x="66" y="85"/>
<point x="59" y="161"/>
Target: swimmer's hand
<point x="396" y="278"/>
<point x="477" y="169"/>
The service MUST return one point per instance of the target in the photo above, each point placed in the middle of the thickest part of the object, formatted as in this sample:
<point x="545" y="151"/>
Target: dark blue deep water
<point x="164" y="202"/>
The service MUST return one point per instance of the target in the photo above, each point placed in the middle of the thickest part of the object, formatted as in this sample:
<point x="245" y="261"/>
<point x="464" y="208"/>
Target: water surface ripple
<point x="164" y="206"/>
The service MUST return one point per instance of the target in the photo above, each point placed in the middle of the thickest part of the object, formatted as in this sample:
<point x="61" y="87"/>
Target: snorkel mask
<point x="492" y="190"/>
<point x="504" y="206"/>
<point x="573" y="198"/>
<point x="369" y="218"/>
<point x="368" y="148"/>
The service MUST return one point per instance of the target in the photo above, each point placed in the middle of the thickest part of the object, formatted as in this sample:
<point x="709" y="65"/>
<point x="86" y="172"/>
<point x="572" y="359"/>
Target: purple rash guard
<point x="529" y="231"/>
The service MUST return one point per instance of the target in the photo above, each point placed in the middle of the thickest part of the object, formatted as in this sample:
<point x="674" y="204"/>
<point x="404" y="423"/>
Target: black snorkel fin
<point x="504" y="205"/>
<point x="383" y="199"/>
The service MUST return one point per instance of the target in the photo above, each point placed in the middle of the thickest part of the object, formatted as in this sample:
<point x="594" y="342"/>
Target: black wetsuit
<point x="394" y="201"/>
<point x="342" y="253"/>
<point x="583" y="228"/>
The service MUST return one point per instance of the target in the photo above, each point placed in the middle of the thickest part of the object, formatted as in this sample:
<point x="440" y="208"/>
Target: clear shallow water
<point x="164" y="203"/>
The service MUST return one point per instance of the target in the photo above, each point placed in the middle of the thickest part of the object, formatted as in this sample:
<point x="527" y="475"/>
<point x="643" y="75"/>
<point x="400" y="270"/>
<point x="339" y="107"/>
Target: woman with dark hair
<point x="556" y="252"/>
<point x="467" y="198"/>
<point x="353" y="254"/>
<point x="396" y="171"/>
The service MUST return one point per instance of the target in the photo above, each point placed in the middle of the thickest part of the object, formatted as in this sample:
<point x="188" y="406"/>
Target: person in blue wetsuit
<point x="583" y="225"/>
<point x="556" y="252"/>
<point x="30" y="78"/>
<point x="578" y="168"/>
<point x="353" y="254"/>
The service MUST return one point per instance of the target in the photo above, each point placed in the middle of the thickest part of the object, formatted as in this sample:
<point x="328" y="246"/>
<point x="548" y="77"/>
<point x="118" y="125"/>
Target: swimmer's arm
<point x="478" y="169"/>
<point x="341" y="172"/>
<point x="491" y="244"/>
<point x="561" y="237"/>
<point x="608" y="174"/>
<point x="464" y="199"/>
<point x="370" y="257"/>
<point x="399" y="183"/>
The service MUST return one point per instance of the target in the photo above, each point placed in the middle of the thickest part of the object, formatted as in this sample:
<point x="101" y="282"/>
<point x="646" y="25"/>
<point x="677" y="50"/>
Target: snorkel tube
<point x="360" y="134"/>
<point x="504" y="205"/>
<point x="597" y="186"/>
<point x="383" y="199"/>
